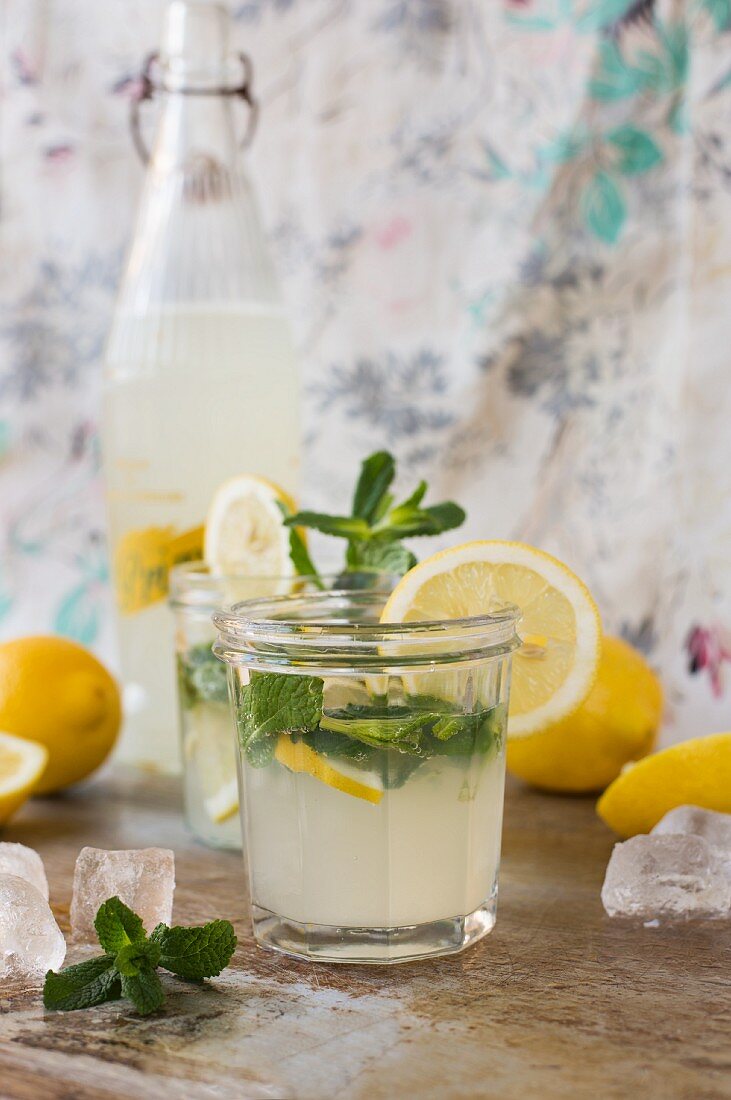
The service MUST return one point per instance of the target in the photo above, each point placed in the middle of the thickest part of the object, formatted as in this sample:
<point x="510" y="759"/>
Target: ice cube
<point x="30" y="940"/>
<point x="671" y="876"/>
<point x="143" y="878"/>
<point x="715" y="828"/>
<point x="16" y="859"/>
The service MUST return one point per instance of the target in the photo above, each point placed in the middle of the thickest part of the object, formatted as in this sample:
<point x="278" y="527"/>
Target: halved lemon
<point x="560" y="624"/>
<point x="21" y="766"/>
<point x="245" y="533"/>
<point x="696" y="772"/>
<point x="299" y="757"/>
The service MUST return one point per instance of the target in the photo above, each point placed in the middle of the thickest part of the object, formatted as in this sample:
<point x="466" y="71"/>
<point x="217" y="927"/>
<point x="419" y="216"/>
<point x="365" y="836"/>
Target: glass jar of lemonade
<point x="372" y="760"/>
<point x="207" y="738"/>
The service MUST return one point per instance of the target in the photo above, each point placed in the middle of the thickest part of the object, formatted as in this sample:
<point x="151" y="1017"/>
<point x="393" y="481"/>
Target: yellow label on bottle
<point x="142" y="562"/>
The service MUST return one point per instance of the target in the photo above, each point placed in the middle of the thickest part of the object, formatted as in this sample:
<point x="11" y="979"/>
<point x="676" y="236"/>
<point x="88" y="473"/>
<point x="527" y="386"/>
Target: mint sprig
<point x="274" y="703"/>
<point x="129" y="966"/>
<point x="376" y="527"/>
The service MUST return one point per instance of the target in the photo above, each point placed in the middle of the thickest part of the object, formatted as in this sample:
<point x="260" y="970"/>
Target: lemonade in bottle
<point x="199" y="367"/>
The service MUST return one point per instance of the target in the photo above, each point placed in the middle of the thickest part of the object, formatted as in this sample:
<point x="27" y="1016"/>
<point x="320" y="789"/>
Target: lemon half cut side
<point x="560" y="624"/>
<point x="22" y="763"/>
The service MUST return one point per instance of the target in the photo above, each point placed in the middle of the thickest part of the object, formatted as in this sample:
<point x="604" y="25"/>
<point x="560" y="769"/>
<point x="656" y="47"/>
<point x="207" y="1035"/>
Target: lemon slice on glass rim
<point x="245" y="533"/>
<point x="560" y="626"/>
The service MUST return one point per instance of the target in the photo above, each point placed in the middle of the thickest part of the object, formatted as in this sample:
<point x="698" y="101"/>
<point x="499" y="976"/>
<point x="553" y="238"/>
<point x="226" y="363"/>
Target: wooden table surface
<point x="558" y="1001"/>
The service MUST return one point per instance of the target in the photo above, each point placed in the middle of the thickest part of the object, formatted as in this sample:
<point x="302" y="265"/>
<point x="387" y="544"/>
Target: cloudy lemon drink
<point x="370" y="720"/>
<point x="372" y="759"/>
<point x="208" y="742"/>
<point x="247" y="551"/>
<point x="255" y="546"/>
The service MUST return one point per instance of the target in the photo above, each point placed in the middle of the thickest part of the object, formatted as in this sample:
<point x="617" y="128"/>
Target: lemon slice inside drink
<point x="210" y="750"/>
<point x="299" y="757"/>
<point x="560" y="625"/>
<point x="245" y="533"/>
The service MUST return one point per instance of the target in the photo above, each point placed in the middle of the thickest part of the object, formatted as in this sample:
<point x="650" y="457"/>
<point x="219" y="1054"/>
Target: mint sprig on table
<point x="377" y="525"/>
<point x="128" y="968"/>
<point x="274" y="703"/>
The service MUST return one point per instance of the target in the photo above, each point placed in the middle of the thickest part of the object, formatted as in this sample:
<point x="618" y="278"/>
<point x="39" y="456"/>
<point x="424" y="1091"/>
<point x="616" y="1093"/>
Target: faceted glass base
<point x="376" y="946"/>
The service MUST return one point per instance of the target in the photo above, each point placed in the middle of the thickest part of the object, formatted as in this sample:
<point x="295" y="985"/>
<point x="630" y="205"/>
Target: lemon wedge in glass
<point x="299" y="757"/>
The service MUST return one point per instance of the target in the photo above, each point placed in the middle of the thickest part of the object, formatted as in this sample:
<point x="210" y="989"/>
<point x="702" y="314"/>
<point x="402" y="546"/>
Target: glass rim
<point x="264" y="632"/>
<point x="196" y="584"/>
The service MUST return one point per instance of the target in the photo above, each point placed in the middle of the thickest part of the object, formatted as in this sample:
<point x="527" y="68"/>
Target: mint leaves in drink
<point x="202" y="677"/>
<point x="128" y="968"/>
<point x="272" y="703"/>
<point x="275" y="703"/>
<point x="377" y="525"/>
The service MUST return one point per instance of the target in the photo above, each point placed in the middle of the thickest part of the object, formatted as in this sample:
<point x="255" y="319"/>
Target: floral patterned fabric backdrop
<point x="504" y="233"/>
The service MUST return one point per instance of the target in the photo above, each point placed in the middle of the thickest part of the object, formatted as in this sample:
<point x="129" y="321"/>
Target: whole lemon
<point x="55" y="692"/>
<point x="617" y="722"/>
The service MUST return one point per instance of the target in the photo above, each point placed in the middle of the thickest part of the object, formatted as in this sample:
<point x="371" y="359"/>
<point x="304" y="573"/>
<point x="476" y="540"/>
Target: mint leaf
<point x="301" y="559"/>
<point x="391" y="765"/>
<point x="196" y="953"/>
<point x="298" y="553"/>
<point x="397" y="727"/>
<point x="329" y="743"/>
<point x="144" y="990"/>
<point x="278" y="703"/>
<point x="376" y="474"/>
<point x="406" y="521"/>
<point x="210" y="681"/>
<point x="135" y="957"/>
<point x="375" y="519"/>
<point x="201" y="676"/>
<point x="273" y="703"/>
<point x="380" y="557"/>
<point x="116" y="925"/>
<point x="345" y="527"/>
<point x="465" y="734"/>
<point x="88" y="983"/>
<point x="416" y="497"/>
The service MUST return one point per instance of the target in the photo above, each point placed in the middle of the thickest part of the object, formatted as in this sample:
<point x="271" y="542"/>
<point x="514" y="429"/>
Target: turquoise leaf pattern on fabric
<point x="720" y="13"/>
<point x="77" y="616"/>
<point x="639" y="152"/>
<point x="615" y="79"/>
<point x="601" y="14"/>
<point x="603" y="207"/>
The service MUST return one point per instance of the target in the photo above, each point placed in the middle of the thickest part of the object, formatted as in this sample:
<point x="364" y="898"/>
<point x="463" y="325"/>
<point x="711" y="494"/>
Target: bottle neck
<point x="193" y="129"/>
